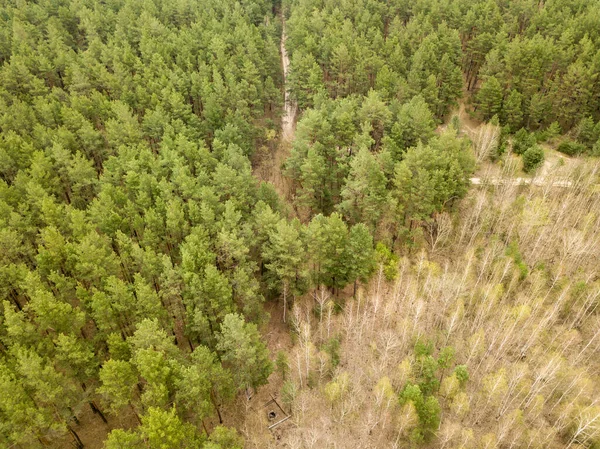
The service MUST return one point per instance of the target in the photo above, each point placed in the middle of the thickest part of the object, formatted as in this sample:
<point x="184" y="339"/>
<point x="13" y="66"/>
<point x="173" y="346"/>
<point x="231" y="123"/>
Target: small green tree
<point x="490" y="97"/>
<point x="224" y="438"/>
<point x="202" y="384"/>
<point x="462" y="374"/>
<point x="533" y="158"/>
<point x="285" y="255"/>
<point x="243" y="352"/>
<point x="430" y="416"/>
<point x="364" y="193"/>
<point x="387" y="261"/>
<point x="522" y="140"/>
<point x="513" y="109"/>
<point x="163" y="429"/>
<point x="122" y="439"/>
<point x="283" y="365"/>
<point x="118" y="380"/>
<point x="428" y="410"/>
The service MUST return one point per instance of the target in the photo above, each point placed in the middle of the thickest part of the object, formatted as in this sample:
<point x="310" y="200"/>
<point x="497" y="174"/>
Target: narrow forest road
<point x="249" y="415"/>
<point x="538" y="181"/>
<point x="544" y="177"/>
<point x="290" y="109"/>
<point x="269" y="168"/>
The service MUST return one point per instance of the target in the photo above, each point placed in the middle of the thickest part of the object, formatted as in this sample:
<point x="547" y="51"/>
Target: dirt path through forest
<point x="289" y="116"/>
<point x="278" y="337"/>
<point x="269" y="168"/>
<point x="537" y="181"/>
<point x="249" y="415"/>
<point x="544" y="177"/>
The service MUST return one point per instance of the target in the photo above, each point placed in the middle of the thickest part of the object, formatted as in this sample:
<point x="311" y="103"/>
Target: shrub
<point x="289" y="391"/>
<point x="522" y="140"/>
<point x="571" y="148"/>
<point x="332" y="347"/>
<point x="462" y="374"/>
<point x="596" y="149"/>
<point x="533" y="158"/>
<point x="283" y="365"/>
<point x="586" y="132"/>
<point x="387" y="260"/>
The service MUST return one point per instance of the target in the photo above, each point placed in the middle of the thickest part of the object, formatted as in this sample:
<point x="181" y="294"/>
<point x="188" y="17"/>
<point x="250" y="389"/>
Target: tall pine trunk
<point x="78" y="441"/>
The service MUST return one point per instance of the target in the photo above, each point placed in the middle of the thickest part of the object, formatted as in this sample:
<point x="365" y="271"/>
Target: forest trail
<point x="553" y="173"/>
<point x="289" y="117"/>
<point x="539" y="181"/>
<point x="269" y="168"/>
<point x="248" y="413"/>
<point x="468" y="124"/>
<point x="544" y="177"/>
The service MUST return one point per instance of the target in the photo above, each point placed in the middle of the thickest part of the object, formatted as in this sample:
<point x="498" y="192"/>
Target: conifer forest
<point x="300" y="224"/>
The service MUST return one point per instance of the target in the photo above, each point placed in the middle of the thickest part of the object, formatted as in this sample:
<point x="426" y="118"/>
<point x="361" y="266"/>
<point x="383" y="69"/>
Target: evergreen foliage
<point x="137" y="244"/>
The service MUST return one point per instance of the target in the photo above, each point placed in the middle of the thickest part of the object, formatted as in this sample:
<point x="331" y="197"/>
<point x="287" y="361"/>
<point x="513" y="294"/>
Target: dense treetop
<point x="137" y="246"/>
<point x="541" y="59"/>
<point x="127" y="200"/>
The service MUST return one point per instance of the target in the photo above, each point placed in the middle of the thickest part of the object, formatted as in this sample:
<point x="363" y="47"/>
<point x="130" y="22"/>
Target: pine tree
<point x="414" y="123"/>
<point x="23" y="420"/>
<point x="304" y="79"/>
<point x="243" y="352"/>
<point x="586" y="132"/>
<point x="122" y="439"/>
<point x="224" y="438"/>
<point x="333" y="266"/>
<point x="118" y="380"/>
<point x="490" y="98"/>
<point x="364" y="193"/>
<point x="285" y="255"/>
<point x="202" y="385"/>
<point x="450" y="81"/>
<point x="430" y="176"/>
<point x="360" y="255"/>
<point x="376" y="113"/>
<point x="163" y="429"/>
<point x="513" y="110"/>
<point x="315" y="192"/>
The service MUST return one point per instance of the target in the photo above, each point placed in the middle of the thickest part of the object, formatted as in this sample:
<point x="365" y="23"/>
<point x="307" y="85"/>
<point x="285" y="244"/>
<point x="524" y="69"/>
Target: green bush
<point x="289" y="391"/>
<point x="513" y="251"/>
<point x="596" y="149"/>
<point x="388" y="260"/>
<point x="332" y="347"/>
<point x="462" y="374"/>
<point x="283" y="365"/>
<point x="587" y="132"/>
<point x="533" y="158"/>
<point x="571" y="148"/>
<point x="522" y="140"/>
